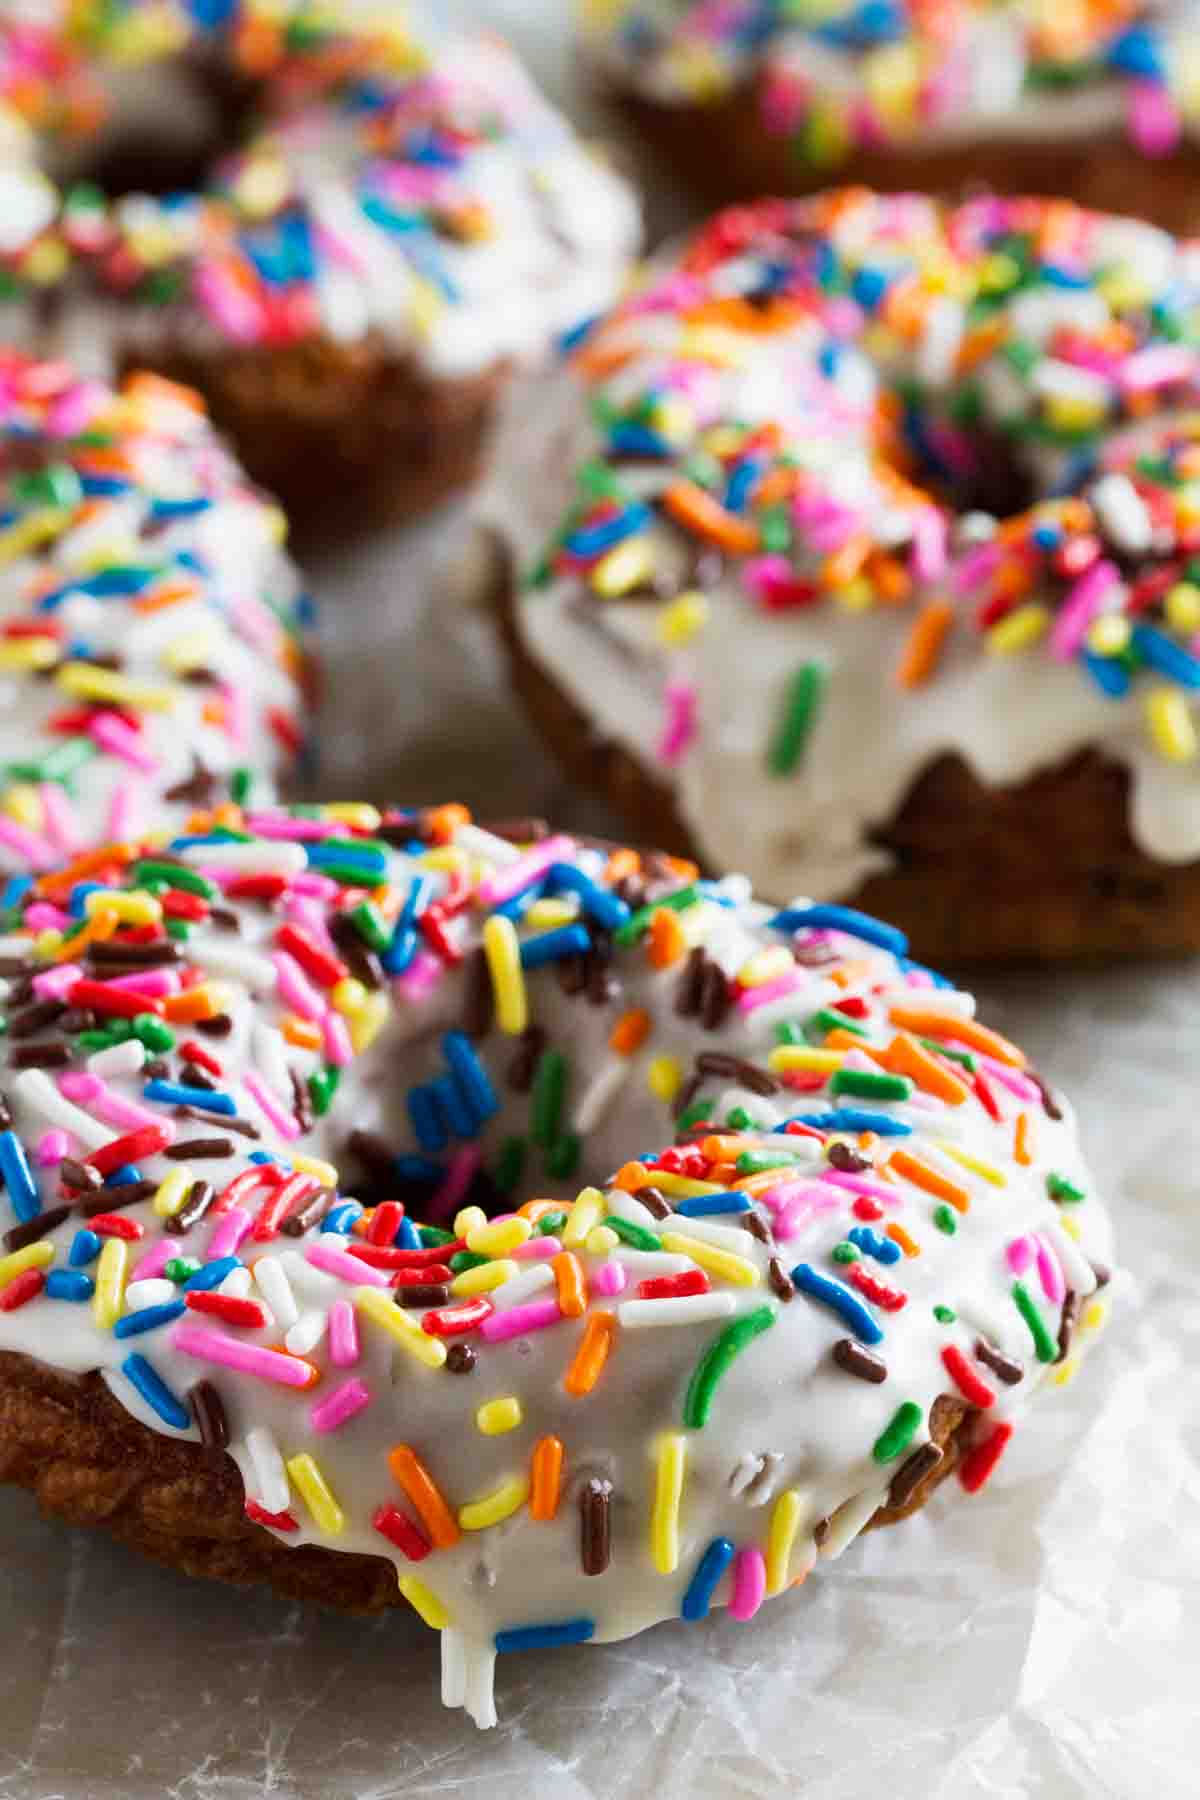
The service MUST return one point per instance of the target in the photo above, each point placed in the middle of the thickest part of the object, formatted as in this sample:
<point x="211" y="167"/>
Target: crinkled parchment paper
<point x="1039" y="1640"/>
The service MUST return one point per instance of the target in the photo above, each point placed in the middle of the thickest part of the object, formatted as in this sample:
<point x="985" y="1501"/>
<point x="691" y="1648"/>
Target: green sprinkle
<point x="944" y="1219"/>
<point x="179" y="930"/>
<point x="61" y="763"/>
<point x="716" y="1360"/>
<point x="180" y="1268"/>
<point x="509" y="1164"/>
<point x="895" y="1438"/>
<point x="352" y="874"/>
<point x="1043" y="1343"/>
<point x="633" y="928"/>
<point x="753" y="1162"/>
<point x="868" y="1086"/>
<point x="549" y="1091"/>
<point x="369" y="923"/>
<point x="157" y="1037"/>
<point x="636" y="1236"/>
<point x="738" y="1119"/>
<point x="431" y="1235"/>
<point x="241" y="783"/>
<point x="562" y="1158"/>
<point x="787" y="1031"/>
<point x="550" y="1224"/>
<point x="801" y="701"/>
<point x="825" y="1021"/>
<point x="775" y="528"/>
<point x="1064" y="1191"/>
<point x="322" y="1086"/>
<point x="465" y="1259"/>
<point x="102" y="1040"/>
<point x="945" y="1315"/>
<point x="176" y="875"/>
<point x="692" y="1115"/>
<point x="846" y="1253"/>
<point x="963" y="1057"/>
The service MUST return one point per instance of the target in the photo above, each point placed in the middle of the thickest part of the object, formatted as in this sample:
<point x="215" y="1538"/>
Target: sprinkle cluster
<point x="150" y="626"/>
<point x="984" y="417"/>
<point x="861" y="74"/>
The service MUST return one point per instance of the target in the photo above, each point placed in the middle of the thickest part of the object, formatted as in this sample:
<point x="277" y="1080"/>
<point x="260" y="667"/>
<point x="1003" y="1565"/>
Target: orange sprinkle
<point x="721" y="1149"/>
<point x="738" y="315"/>
<point x="840" y="569"/>
<point x="924" y="647"/>
<point x="568" y="1279"/>
<point x="837" y="1039"/>
<point x="1021" y="1139"/>
<point x="101" y="925"/>
<point x="597" y="359"/>
<point x="898" y="1235"/>
<point x="681" y="868"/>
<point x="163" y="597"/>
<point x="760" y="1180"/>
<point x="214" y="711"/>
<point x="545" y="1478"/>
<point x="889" y="577"/>
<point x="533" y="1210"/>
<point x="922" y="1176"/>
<point x="621" y="864"/>
<point x="592" y="1354"/>
<point x="630" y="1031"/>
<point x="145" y="386"/>
<point x="978" y="345"/>
<point x="665" y="942"/>
<point x="907" y="1057"/>
<point x="441" y="822"/>
<point x="410" y="1473"/>
<point x="697" y="511"/>
<point x="87" y="864"/>
<point x="959" y="1031"/>
<point x="192" y="1004"/>
<point x="776" y="485"/>
<point x="301" y="1032"/>
<point x="630" y="1177"/>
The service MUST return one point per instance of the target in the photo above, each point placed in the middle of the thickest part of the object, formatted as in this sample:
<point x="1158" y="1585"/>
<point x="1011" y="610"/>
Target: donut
<point x="673" y="1379"/>
<point x="857" y="548"/>
<point x="152" y="627"/>
<point x="1095" y="101"/>
<point x="352" y="232"/>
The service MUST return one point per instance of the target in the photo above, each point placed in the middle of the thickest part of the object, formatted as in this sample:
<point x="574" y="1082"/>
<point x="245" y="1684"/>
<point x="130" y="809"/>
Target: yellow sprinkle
<point x="503" y="953"/>
<point x="1109" y="634"/>
<point x="724" y="1263"/>
<point x="110" y="1282"/>
<point x="23" y="803"/>
<point x="1070" y="1226"/>
<point x="477" y="1515"/>
<point x="132" y="909"/>
<point x="1073" y="412"/>
<point x="191" y="650"/>
<point x="383" y="1311"/>
<point x="767" y="965"/>
<point x="800" y="1056"/>
<point x="781" y="1535"/>
<point x="1019" y="630"/>
<point x="35" y="530"/>
<point x="855" y="596"/>
<point x="468" y="1219"/>
<point x="682" y="620"/>
<point x="547" y="915"/>
<point x="367" y="1023"/>
<point x="670" y="1462"/>
<point x="601" y="1240"/>
<point x="33" y="1256"/>
<point x="485" y="1278"/>
<point x="500" y="1238"/>
<point x="348" y="995"/>
<point x="1095" y="1315"/>
<point x="586" y="1212"/>
<point x="172" y="1191"/>
<point x="977" y="1166"/>
<point x="17" y="654"/>
<point x="353" y="812"/>
<point x="447" y="859"/>
<point x="1170" y="722"/>
<point x="315" y="1492"/>
<point x="683" y="1186"/>
<point x="1183" y="606"/>
<point x="624" y="567"/>
<point x="424" y="1602"/>
<point x="495" y="1417"/>
<point x="1065" y="1372"/>
<point x="663" y="1078"/>
<point x="48" y="945"/>
<point x="87" y="682"/>
<point x="324" y="1171"/>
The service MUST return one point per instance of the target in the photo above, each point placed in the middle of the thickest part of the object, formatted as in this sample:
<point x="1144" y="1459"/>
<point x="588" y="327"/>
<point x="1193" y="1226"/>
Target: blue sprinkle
<point x="408" y="1237"/>
<point x="341" y="1218"/>
<point x="741" y="483"/>
<point x="916" y="968"/>
<point x="69" y="1284"/>
<point x="471" y="1075"/>
<point x="516" y="908"/>
<point x="1166" y="656"/>
<point x="148" y="1318"/>
<point x="851" y="1118"/>
<point x="174" y="1093"/>
<point x="1137" y="52"/>
<point x="77" y="904"/>
<point x="868" y="287"/>
<point x="547" y="1637"/>
<point x="594" y="540"/>
<point x="702" y="1586"/>
<point x="15" y="890"/>
<point x="401" y="950"/>
<point x="1109" y="673"/>
<point x="211" y="1275"/>
<point x="701" y="1205"/>
<point x="454" y="1105"/>
<point x="125" y="1176"/>
<point x="607" y="909"/>
<point x="552" y="946"/>
<point x="262" y="1156"/>
<point x="629" y="439"/>
<point x="842" y="918"/>
<point x="426" y="1120"/>
<point x="578" y="334"/>
<point x="848" y="1307"/>
<point x="155" y="1392"/>
<point x="85" y="1248"/>
<point x="871" y="1244"/>
<point x="17" y="1178"/>
<point x="370" y="860"/>
<point x="179" y="509"/>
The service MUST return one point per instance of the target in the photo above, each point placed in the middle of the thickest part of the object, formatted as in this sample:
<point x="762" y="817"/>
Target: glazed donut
<point x="1097" y="102"/>
<point x="861" y="552"/>
<point x="351" y="232"/>
<point x="873" y="1240"/>
<point x="152" y="627"/>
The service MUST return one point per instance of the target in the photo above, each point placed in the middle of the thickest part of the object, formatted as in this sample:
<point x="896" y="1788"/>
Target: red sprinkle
<point x="866" y="1208"/>
<point x="450" y="1321"/>
<point x="257" y="887"/>
<point x="147" y="1140"/>
<point x="124" y="1003"/>
<point x="178" y="905"/>
<point x="854" y="1007"/>
<point x="278" y="1521"/>
<point x="22" y="1288"/>
<point x="422" y="1275"/>
<point x="275" y="1209"/>
<point x="433" y="928"/>
<point x="891" y="1299"/>
<point x="976" y="1467"/>
<point x="669" y="1287"/>
<point x="203" y="1059"/>
<point x="394" y="1256"/>
<point x="229" y="1308"/>
<point x="116" y="1225"/>
<point x="399" y="1529"/>
<point x="242" y="1186"/>
<point x="967" y="1378"/>
<point x="985" y="1096"/>
<point x="385" y="1222"/>
<point x="325" y="969"/>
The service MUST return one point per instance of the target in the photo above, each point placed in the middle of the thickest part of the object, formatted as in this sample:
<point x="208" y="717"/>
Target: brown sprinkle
<point x="912" y="1473"/>
<point x="196" y="1203"/>
<point x="433" y="1294"/>
<point x="460" y="1359"/>
<point x="201" y="1148"/>
<point x="39" y="1056"/>
<point x="1066" y="1327"/>
<point x="1004" y="1368"/>
<point x="81" y="1176"/>
<point x="858" y="1361"/>
<point x="209" y="1414"/>
<point x="18" y="1236"/>
<point x="780" y="1280"/>
<point x="595" y="1539"/>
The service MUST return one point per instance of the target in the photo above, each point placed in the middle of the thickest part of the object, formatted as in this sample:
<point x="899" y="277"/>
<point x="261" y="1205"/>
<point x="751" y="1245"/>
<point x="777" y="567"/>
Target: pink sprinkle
<point x="679" y="729"/>
<point x="333" y="1412"/>
<point x="527" y="869"/>
<point x="284" y="1122"/>
<point x="928" y="555"/>
<point x="258" y="625"/>
<point x="60" y="817"/>
<point x="36" y="851"/>
<point x="236" y="712"/>
<point x="228" y="1233"/>
<point x="861" y="1184"/>
<point x="88" y="1090"/>
<point x="463" y="1165"/>
<point x="1020" y="1254"/>
<point x="41" y="916"/>
<point x="750" y="999"/>
<point x="122" y="812"/>
<point x="1158" y="365"/>
<point x="313" y="883"/>
<point x="1154" y="122"/>
<point x="154" y="1262"/>
<point x="421" y="976"/>
<point x="1080" y="606"/>
<point x="749" y="1584"/>
<point x="281" y="825"/>
<point x="346" y="1267"/>
<point x="336" y="1033"/>
<point x="610" y="1278"/>
<point x="295" y="989"/>
<point x="1050" y="1272"/>
<point x="786" y="1193"/>
<point x="112" y="734"/>
<point x="52" y="1147"/>
<point x="343" y="1335"/>
<point x="304" y="910"/>
<point x="154" y="983"/>
<point x="1012" y="1079"/>
<point x="535" y="1315"/>
<point x="977" y="567"/>
<point x="250" y="1359"/>
<point x="52" y="984"/>
<point x="536" y="1249"/>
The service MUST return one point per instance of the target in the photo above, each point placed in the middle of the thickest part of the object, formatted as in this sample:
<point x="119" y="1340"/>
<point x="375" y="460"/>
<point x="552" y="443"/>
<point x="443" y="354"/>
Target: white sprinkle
<point x="1078" y="1271"/>
<point x="850" y="1519"/>
<point x="236" y="1284"/>
<point x="626" y="1206"/>
<point x="679" y="1309"/>
<point x="276" y="1290"/>
<point x="152" y="1292"/>
<point x="118" y="1059"/>
<point x="274" y="1494"/>
<point x="645" y="1263"/>
<point x="221" y="957"/>
<point x="35" y="1088"/>
<point x="598" y="1097"/>
<point x="725" y="1237"/>
<point x="270" y="1056"/>
<point x="521" y="1287"/>
<point x="264" y="856"/>
<point x="1122" y="512"/>
<point x="477" y="842"/>
<point x="307" y="1332"/>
